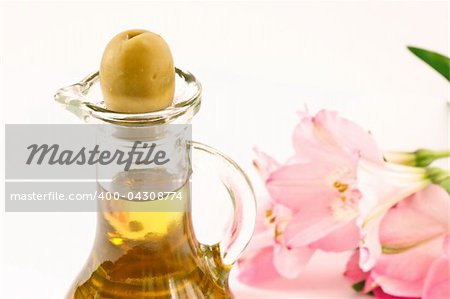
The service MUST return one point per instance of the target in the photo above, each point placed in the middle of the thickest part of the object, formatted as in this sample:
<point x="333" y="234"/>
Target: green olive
<point x="137" y="73"/>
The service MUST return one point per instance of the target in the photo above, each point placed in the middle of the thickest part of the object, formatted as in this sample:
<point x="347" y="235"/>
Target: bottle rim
<point x="78" y="99"/>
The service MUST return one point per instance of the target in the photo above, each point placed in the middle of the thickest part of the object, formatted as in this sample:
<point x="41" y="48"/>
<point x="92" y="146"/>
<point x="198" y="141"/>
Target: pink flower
<point x="267" y="257"/>
<point x="319" y="184"/>
<point x="361" y="279"/>
<point x="316" y="137"/>
<point x="383" y="186"/>
<point x="415" y="242"/>
<point x="330" y="195"/>
<point x="313" y="197"/>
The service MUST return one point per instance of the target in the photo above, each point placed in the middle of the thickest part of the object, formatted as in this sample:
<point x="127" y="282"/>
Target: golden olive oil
<point x="144" y="254"/>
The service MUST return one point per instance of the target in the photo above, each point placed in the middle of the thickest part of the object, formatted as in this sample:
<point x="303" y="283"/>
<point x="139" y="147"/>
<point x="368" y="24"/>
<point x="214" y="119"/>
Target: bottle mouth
<point x="84" y="99"/>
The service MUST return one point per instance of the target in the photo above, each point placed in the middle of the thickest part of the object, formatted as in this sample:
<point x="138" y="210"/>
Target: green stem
<point x="425" y="157"/>
<point x="419" y="158"/>
<point x="441" y="154"/>
<point x="439" y="177"/>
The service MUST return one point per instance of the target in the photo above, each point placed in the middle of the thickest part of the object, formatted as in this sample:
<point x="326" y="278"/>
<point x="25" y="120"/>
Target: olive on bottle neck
<point x="137" y="73"/>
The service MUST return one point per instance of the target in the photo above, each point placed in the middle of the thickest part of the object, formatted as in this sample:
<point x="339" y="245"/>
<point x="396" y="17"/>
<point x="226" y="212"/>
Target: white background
<point x="258" y="62"/>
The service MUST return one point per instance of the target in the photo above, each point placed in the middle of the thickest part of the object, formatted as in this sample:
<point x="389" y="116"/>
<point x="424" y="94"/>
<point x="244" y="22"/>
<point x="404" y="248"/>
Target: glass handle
<point x="242" y="196"/>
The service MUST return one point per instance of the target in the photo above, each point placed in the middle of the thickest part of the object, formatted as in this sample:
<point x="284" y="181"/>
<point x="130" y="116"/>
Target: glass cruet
<point x="150" y="251"/>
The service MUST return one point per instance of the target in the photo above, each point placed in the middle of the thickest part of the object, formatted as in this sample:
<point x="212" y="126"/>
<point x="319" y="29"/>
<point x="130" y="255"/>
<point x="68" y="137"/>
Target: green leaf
<point x="359" y="286"/>
<point x="437" y="61"/>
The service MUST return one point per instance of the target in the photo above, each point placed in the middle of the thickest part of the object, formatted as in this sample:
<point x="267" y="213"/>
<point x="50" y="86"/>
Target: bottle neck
<point x="144" y="159"/>
<point x="148" y="209"/>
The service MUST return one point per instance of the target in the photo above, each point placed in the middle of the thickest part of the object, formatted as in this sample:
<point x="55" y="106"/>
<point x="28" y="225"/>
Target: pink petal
<point x="403" y="274"/>
<point x="349" y="135"/>
<point x="257" y="268"/>
<point x="446" y="246"/>
<point x="382" y="188"/>
<point x="260" y="240"/>
<point x="369" y="286"/>
<point x="352" y="271"/>
<point x="300" y="185"/>
<point x="380" y="294"/>
<point x="311" y="140"/>
<point x="417" y="219"/>
<point x="262" y="206"/>
<point x="370" y="247"/>
<point x="315" y="145"/>
<point x="412" y="232"/>
<point x="341" y="239"/>
<point x="316" y="152"/>
<point x="305" y="139"/>
<point x="309" y="225"/>
<point x="290" y="263"/>
<point x="410" y="229"/>
<point x="437" y="283"/>
<point x="264" y="234"/>
<point x="265" y="164"/>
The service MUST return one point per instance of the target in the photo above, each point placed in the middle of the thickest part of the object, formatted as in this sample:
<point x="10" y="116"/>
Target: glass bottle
<point x="148" y="248"/>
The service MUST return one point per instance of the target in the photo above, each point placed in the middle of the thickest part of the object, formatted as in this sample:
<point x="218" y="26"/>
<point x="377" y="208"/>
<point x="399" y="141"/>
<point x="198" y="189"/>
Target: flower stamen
<point x="341" y="188"/>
